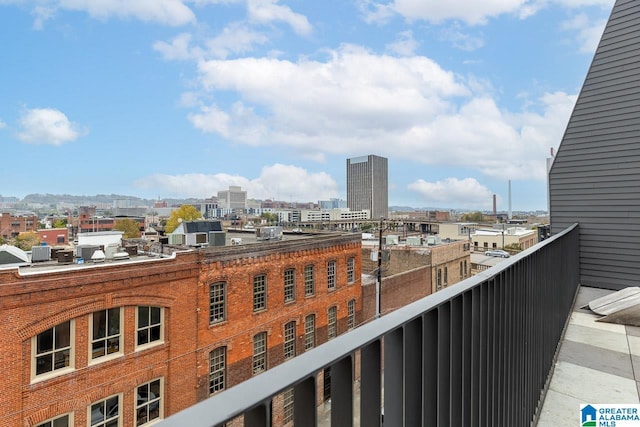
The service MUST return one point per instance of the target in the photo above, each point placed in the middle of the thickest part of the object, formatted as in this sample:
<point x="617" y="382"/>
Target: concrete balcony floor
<point x="598" y="363"/>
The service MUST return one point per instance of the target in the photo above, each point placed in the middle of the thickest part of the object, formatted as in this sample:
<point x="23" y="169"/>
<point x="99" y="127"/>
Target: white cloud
<point x="234" y="39"/>
<point x="471" y="12"/>
<point x="585" y="32"/>
<point x="267" y="11"/>
<point x="179" y="48"/>
<point x="166" y="12"/>
<point x="407" y="108"/>
<point x="466" y="192"/>
<point x="461" y="40"/>
<point x="2" y="124"/>
<point x="278" y="181"/>
<point x="405" y="45"/>
<point x="47" y="126"/>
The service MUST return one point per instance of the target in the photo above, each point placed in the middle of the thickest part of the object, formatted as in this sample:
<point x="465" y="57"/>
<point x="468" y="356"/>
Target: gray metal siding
<point x="595" y="177"/>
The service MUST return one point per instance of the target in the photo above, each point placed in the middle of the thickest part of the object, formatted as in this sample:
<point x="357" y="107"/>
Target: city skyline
<point x="179" y="99"/>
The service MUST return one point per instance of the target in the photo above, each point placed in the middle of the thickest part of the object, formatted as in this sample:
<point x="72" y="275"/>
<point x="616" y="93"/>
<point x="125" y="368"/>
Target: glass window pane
<point x="155" y="315"/>
<point x="45" y="341"/>
<point x="113" y="345"/>
<point x="143" y="317"/>
<point x="99" y="324"/>
<point x="143" y="337"/>
<point x="61" y="422"/>
<point x="114" y="321"/>
<point x="63" y="335"/>
<point x="61" y="359"/>
<point x="155" y="389"/>
<point x="155" y="333"/>
<point x="44" y="364"/>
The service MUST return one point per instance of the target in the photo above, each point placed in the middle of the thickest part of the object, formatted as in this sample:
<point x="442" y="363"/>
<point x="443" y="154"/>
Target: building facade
<point x="234" y="198"/>
<point x="12" y="225"/>
<point x="131" y="342"/>
<point x="368" y="185"/>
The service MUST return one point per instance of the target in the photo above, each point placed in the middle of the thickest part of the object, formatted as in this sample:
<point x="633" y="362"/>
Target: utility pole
<point x="379" y="277"/>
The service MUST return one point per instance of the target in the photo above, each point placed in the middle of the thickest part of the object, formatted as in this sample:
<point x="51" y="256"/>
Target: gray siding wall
<point x="595" y="177"/>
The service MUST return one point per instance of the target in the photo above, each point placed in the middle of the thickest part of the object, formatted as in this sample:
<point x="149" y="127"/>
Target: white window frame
<point x="259" y="359"/>
<point x="138" y="328"/>
<point x="351" y="314"/>
<point x="332" y="322"/>
<point x="51" y="421"/>
<point x="351" y="270"/>
<point x="149" y="402"/>
<point x="309" y="332"/>
<point x="331" y="275"/>
<point x="105" y="421"/>
<point x="220" y="370"/>
<point x="289" y="344"/>
<point x="107" y="356"/>
<point x="54" y="372"/>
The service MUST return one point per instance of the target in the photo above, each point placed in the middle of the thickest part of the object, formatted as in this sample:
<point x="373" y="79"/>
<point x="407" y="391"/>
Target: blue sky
<point x="182" y="98"/>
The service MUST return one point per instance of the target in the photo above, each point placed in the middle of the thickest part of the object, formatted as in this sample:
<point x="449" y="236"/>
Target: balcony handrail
<point x="259" y="390"/>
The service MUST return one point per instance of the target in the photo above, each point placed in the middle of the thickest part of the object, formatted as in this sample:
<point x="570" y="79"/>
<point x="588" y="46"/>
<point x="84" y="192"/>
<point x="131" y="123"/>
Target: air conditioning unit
<point x="40" y="253"/>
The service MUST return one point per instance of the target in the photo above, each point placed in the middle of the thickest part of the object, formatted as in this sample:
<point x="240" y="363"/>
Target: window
<point x="351" y="270"/>
<point x="217" y="369"/>
<point x="290" y="340"/>
<point x="149" y="327"/>
<point x="53" y="349"/>
<point x="486" y="245"/>
<point x="461" y="271"/>
<point x="217" y="305"/>
<point x="259" y="353"/>
<point x="288" y="405"/>
<point x="289" y="285"/>
<point x="351" y="314"/>
<point x="309" y="331"/>
<point x="332" y="317"/>
<point x="309" y="281"/>
<point x="446" y="276"/>
<point x="63" y="421"/>
<point x="494" y="245"/>
<point x="465" y="269"/>
<point x="259" y="292"/>
<point x="105" y="332"/>
<point x="105" y="413"/>
<point x="148" y="402"/>
<point x="439" y="279"/>
<point x="331" y="275"/>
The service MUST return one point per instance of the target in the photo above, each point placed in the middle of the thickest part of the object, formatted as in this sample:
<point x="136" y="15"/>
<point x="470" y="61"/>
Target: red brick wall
<point x="50" y="236"/>
<point x="396" y="291"/>
<point x="35" y="302"/>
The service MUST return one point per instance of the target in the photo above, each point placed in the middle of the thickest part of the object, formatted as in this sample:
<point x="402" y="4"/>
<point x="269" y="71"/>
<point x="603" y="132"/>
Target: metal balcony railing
<point x="476" y="354"/>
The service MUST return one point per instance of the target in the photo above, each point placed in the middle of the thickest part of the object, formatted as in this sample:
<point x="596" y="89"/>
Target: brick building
<point x="412" y="272"/>
<point x="11" y="226"/>
<point x="133" y="341"/>
<point x="54" y="236"/>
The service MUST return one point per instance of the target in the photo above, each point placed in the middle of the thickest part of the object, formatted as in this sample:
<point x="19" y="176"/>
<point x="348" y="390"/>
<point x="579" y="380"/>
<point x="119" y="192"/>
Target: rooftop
<point x="598" y="363"/>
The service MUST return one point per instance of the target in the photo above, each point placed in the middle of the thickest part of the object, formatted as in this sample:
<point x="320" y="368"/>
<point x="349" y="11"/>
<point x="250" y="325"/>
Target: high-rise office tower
<point x="367" y="185"/>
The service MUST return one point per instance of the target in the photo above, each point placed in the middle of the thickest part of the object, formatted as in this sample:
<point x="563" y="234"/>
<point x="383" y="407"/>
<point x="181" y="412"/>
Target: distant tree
<point x="269" y="217"/>
<point x="472" y="217"/>
<point x="60" y="223"/>
<point x="366" y="227"/>
<point x="184" y="213"/>
<point x="129" y="227"/>
<point x="513" y="247"/>
<point x="26" y="240"/>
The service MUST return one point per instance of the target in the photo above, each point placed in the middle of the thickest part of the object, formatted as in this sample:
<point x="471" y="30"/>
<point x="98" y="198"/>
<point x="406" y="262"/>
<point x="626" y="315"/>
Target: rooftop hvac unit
<point x="177" y="239"/>
<point x="121" y="256"/>
<point x="392" y="240"/>
<point x="86" y="251"/>
<point x="40" y="253"/>
<point x="98" y="256"/>
<point x="414" y="241"/>
<point x="132" y="250"/>
<point x="65" y="257"/>
<point x="110" y="251"/>
<point x="217" y="238"/>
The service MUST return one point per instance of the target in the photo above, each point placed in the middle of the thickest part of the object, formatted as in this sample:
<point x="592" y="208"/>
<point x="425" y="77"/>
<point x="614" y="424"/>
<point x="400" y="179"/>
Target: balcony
<point x="477" y="354"/>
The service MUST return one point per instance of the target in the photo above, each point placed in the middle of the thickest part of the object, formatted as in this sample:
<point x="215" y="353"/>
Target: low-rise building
<point x="129" y="342"/>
